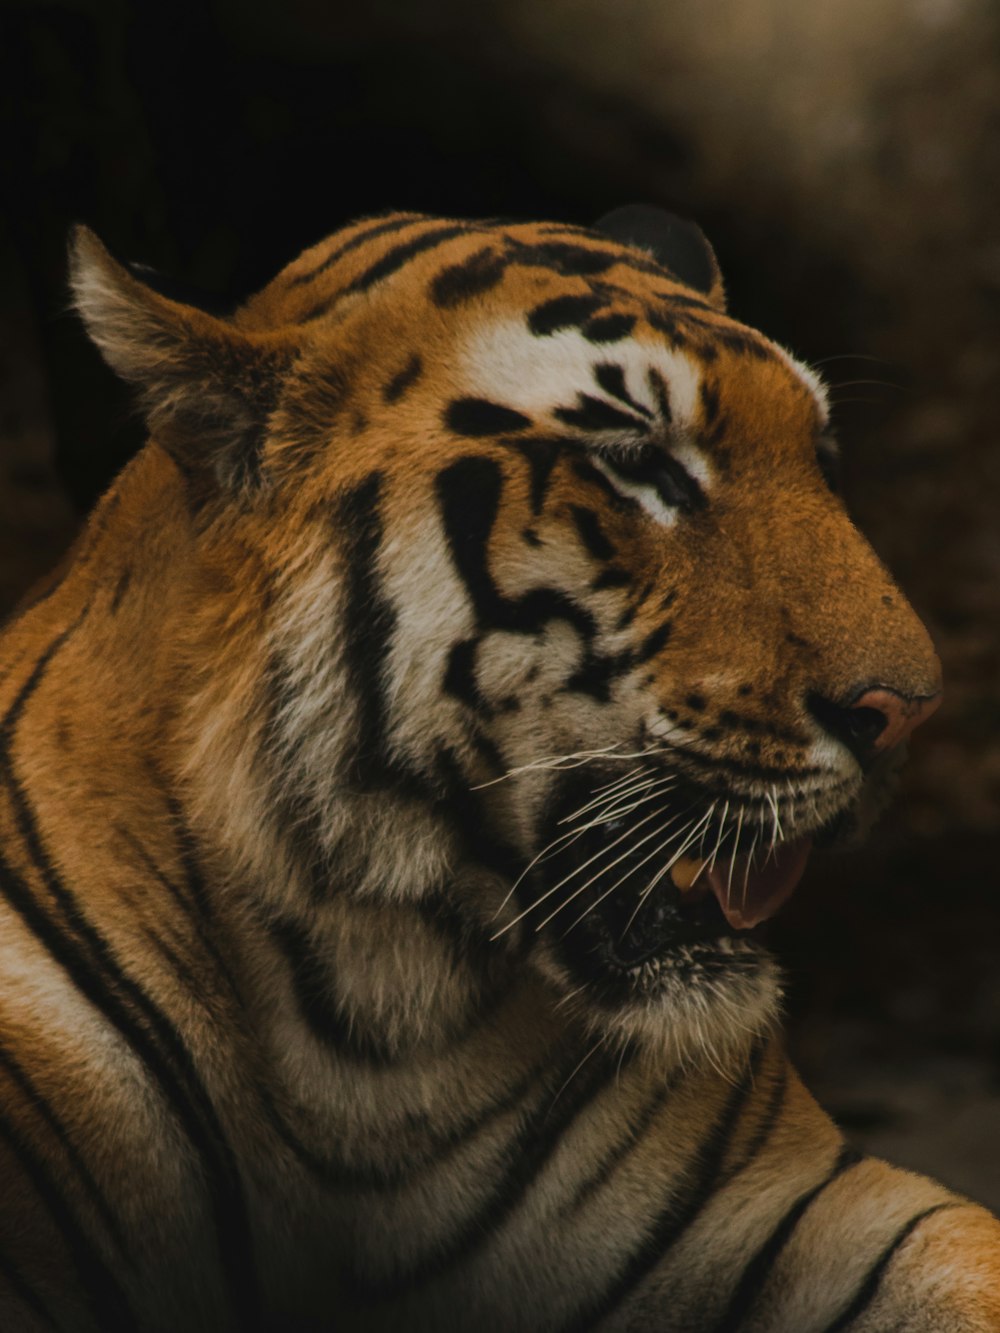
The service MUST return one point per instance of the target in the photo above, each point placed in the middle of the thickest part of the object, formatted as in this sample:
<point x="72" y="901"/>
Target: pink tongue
<point x="747" y="895"/>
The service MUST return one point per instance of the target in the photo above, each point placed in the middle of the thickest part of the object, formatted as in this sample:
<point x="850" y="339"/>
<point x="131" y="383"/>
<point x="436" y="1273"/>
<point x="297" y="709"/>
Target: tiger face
<point x="558" y="598"/>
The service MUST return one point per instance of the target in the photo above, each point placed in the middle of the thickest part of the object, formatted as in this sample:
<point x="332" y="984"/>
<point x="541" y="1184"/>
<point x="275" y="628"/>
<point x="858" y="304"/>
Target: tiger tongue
<point x="749" y="895"/>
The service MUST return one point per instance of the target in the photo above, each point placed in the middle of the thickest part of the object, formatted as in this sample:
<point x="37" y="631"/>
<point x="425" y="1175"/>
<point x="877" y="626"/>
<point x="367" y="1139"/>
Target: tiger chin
<point x="396" y="780"/>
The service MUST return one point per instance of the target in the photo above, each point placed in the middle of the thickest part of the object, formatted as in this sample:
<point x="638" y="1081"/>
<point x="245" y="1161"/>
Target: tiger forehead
<point x="545" y="296"/>
<point x="451" y="263"/>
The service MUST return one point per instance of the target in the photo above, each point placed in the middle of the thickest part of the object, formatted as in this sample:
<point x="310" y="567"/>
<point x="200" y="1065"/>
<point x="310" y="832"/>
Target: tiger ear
<point x="680" y="246"/>
<point x="207" y="389"/>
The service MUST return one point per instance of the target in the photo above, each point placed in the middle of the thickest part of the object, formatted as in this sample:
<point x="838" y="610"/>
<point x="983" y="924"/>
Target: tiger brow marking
<point x="562" y="312"/>
<point x="594" y="414"/>
<point x="611" y="377"/>
<point x="661" y="393"/>
<point x="472" y="277"/>
<point x="610" y="328"/>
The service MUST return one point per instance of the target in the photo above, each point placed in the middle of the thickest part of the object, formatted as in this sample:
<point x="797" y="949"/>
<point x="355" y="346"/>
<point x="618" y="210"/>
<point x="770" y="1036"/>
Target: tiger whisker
<point x="732" y="859"/>
<point x="621" y="880"/>
<point x="665" y="869"/>
<point x="568" y="837"/>
<point x="606" y="869"/>
<point x="601" y="1041"/>
<point x="723" y="830"/>
<point x="555" y="761"/>
<point x="576" y="871"/>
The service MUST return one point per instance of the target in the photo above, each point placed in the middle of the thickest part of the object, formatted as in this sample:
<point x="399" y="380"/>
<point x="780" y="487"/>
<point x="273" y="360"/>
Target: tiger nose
<point x="897" y="714"/>
<point x="876" y="720"/>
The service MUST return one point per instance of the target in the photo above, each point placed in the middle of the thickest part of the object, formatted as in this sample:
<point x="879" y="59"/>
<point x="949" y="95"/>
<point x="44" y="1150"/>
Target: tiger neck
<point x="362" y="921"/>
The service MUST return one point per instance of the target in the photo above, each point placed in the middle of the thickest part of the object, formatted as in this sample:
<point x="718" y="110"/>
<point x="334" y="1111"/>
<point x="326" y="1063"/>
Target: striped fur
<point x="453" y="532"/>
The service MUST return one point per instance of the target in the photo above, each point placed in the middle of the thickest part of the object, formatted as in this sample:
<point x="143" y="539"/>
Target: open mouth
<point x="635" y="913"/>
<point x="624" y="893"/>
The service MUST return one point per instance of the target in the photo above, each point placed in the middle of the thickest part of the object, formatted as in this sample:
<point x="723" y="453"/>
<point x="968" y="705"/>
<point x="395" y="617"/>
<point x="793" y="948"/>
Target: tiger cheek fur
<point x="391" y="783"/>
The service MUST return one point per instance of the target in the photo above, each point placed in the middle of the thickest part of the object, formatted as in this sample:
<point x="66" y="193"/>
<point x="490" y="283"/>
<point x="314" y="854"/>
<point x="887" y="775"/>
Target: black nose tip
<point x="859" y="728"/>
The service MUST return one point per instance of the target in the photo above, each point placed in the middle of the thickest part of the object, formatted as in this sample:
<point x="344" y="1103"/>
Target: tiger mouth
<point x="687" y="905"/>
<point x="681" y="882"/>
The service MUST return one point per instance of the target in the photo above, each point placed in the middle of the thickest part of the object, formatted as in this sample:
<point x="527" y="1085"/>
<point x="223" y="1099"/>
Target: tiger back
<point x="392" y="784"/>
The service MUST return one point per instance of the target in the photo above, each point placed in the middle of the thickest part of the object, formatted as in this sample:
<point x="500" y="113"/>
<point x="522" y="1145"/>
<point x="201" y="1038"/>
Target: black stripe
<point x="185" y="904"/>
<point x="102" y="1291"/>
<point x="735" y="337"/>
<point x="541" y="455"/>
<point x="709" y="395"/>
<point x="83" y="953"/>
<point x="461" y="282"/>
<point x="633" y="1136"/>
<point x="587" y="472"/>
<point x="594" y="414"/>
<point x="478" y="416"/>
<point x="688" y="302"/>
<point x="464" y="808"/>
<point x="654" y="641"/>
<point x="58" y="1130"/>
<point x="680" y="1212"/>
<point x="187" y="855"/>
<point x="588" y="525"/>
<point x="369" y="626"/>
<point x="769" y="1119"/>
<point x="24" y="1292"/>
<point x="403" y="380"/>
<point x="759" y="1268"/>
<point x="661" y="322"/>
<point x="35" y="677"/>
<point x="383" y="228"/>
<point x="612" y="577"/>
<point x="661" y="393"/>
<point x="608" y="328"/>
<point x="528" y="1153"/>
<point x="393" y="260"/>
<point x="611" y="377"/>
<point x="562" y="312"/>
<point x="121" y="588"/>
<point x="869" y="1287"/>
<point x="469" y="493"/>
<point x="414" y="1159"/>
<point x="460" y="675"/>
<point x="574" y="261"/>
<point x="314" y="988"/>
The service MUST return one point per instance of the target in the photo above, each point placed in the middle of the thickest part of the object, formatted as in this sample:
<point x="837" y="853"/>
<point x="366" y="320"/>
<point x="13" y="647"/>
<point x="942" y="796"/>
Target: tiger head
<point x="517" y="576"/>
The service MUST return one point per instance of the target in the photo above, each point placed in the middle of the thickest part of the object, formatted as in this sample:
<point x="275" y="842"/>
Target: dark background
<point x="846" y="168"/>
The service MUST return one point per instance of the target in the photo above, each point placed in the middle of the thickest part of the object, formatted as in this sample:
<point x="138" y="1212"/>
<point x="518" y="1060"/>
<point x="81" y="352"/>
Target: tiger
<point x="396" y="779"/>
